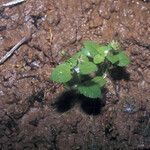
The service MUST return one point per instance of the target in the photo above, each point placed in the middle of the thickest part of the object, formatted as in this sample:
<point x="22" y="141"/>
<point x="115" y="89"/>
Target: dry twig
<point x="10" y="53"/>
<point x="12" y="3"/>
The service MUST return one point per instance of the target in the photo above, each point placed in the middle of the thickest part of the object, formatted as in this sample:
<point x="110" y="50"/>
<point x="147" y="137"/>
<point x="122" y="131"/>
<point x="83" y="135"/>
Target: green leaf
<point x="85" y="52"/>
<point x="72" y="62"/>
<point x="87" y="68"/>
<point x="82" y="58"/>
<point x="103" y="50"/>
<point x="90" y="89"/>
<point x="61" y="73"/>
<point x="99" y="80"/>
<point x="113" y="58"/>
<point x="91" y="47"/>
<point x="78" y="57"/>
<point x="98" y="59"/>
<point x="123" y="59"/>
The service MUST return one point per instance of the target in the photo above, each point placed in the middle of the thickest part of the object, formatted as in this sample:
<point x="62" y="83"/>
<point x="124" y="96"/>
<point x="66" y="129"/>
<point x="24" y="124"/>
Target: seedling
<point x="86" y="71"/>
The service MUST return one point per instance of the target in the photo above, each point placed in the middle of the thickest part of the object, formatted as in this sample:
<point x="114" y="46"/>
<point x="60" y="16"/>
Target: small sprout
<point x="86" y="71"/>
<point x="115" y="45"/>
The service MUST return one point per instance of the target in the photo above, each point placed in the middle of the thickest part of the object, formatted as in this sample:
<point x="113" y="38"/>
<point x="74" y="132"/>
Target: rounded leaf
<point x="61" y="73"/>
<point x="91" y="47"/>
<point x="85" y="52"/>
<point x="72" y="62"/>
<point x="90" y="89"/>
<point x="123" y="59"/>
<point x="104" y="50"/>
<point x="113" y="58"/>
<point x="83" y="58"/>
<point x="99" y="80"/>
<point x="87" y="68"/>
<point x="98" y="59"/>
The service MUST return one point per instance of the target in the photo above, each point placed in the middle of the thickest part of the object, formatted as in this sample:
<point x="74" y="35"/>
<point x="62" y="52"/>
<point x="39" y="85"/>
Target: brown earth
<point x="31" y="115"/>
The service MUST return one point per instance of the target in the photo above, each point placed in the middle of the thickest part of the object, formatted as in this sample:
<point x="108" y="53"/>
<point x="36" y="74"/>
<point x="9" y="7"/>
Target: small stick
<point x="8" y="54"/>
<point x="14" y="2"/>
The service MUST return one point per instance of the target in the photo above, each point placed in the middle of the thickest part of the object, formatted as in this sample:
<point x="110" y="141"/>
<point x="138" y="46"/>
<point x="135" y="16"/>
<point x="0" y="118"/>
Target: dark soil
<point x="33" y="113"/>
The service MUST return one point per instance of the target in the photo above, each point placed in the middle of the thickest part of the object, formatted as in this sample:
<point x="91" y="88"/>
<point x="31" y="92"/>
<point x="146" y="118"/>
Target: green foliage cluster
<point x="86" y="71"/>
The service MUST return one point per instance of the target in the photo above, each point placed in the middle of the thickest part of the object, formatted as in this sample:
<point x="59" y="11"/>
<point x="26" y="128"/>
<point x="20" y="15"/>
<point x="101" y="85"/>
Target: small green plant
<point x="87" y="70"/>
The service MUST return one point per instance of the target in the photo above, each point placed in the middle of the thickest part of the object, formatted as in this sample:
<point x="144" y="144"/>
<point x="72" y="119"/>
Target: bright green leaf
<point x="77" y="55"/>
<point x="75" y="73"/>
<point x="98" y="59"/>
<point x="85" y="52"/>
<point x="61" y="73"/>
<point x="74" y="59"/>
<point x="72" y="62"/>
<point x="113" y="58"/>
<point x="83" y="58"/>
<point x="99" y="80"/>
<point x="77" y="58"/>
<point x="103" y="50"/>
<point x="90" y="89"/>
<point x="87" y="67"/>
<point x="123" y="59"/>
<point x="80" y="55"/>
<point x="91" y="47"/>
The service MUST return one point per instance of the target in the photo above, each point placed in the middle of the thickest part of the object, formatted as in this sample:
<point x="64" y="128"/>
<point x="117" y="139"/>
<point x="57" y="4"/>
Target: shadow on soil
<point x="69" y="98"/>
<point x="90" y="106"/>
<point x="119" y="73"/>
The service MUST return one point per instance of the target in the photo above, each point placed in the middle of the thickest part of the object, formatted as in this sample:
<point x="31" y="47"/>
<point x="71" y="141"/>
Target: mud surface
<point x="32" y="118"/>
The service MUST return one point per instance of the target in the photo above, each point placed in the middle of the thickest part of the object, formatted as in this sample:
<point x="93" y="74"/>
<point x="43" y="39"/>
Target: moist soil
<point x="35" y="113"/>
